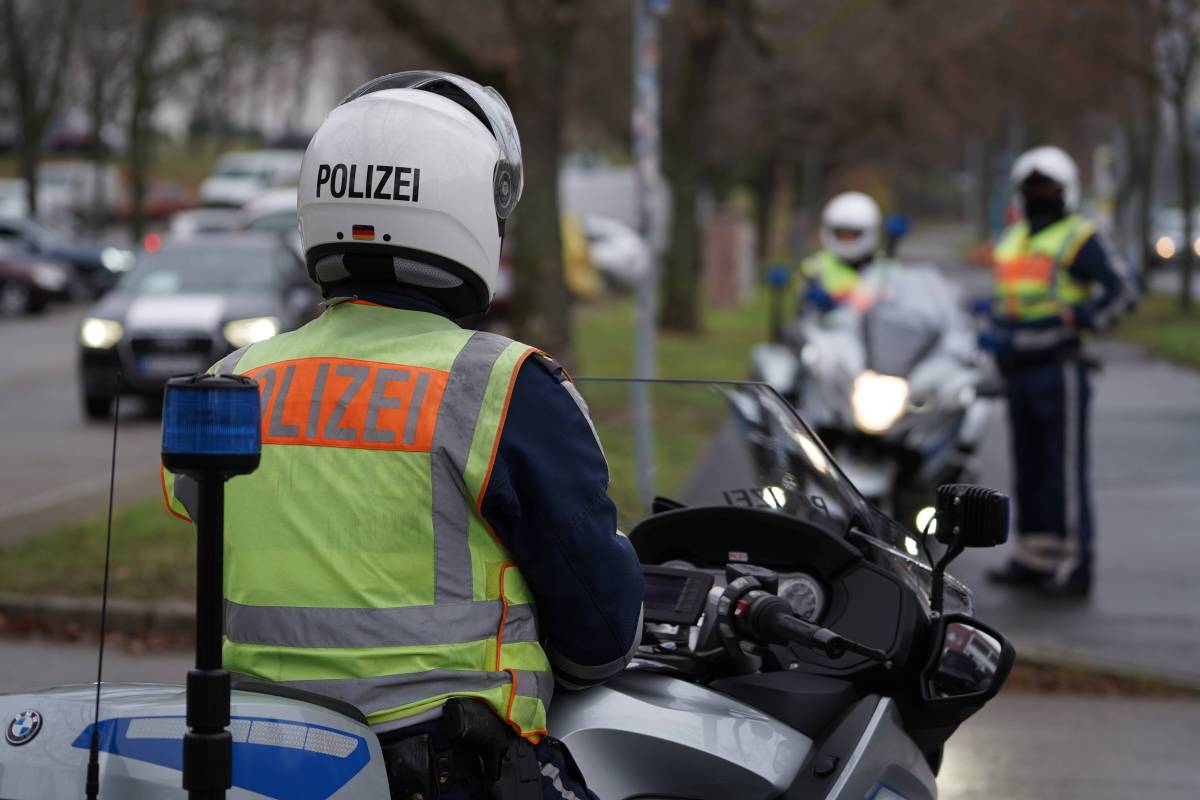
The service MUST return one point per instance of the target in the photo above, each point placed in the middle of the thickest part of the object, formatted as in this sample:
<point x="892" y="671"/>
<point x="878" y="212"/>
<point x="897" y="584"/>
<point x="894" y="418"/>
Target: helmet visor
<point x="485" y="103"/>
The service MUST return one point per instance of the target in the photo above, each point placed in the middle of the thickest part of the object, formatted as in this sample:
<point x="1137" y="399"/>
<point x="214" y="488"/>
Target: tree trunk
<point x="31" y="156"/>
<point x="541" y="304"/>
<point x="682" y="147"/>
<point x="1143" y="136"/>
<point x="99" y="153"/>
<point x="1185" y="200"/>
<point x="139" y="114"/>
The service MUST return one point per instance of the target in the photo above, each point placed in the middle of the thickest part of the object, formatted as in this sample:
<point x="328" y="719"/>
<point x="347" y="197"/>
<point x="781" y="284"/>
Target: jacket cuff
<point x="573" y="676"/>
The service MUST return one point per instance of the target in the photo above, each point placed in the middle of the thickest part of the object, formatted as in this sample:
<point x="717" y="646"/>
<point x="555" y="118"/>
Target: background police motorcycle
<point x="791" y="650"/>
<point x="892" y="382"/>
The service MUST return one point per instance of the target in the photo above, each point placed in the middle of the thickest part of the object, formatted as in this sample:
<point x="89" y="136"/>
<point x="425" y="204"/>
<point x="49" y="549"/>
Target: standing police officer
<point x="429" y="533"/>
<point x="849" y="243"/>
<point x="1055" y="281"/>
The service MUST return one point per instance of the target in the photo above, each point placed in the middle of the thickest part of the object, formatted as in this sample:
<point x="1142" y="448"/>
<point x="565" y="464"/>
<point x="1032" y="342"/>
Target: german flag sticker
<point x="363" y="233"/>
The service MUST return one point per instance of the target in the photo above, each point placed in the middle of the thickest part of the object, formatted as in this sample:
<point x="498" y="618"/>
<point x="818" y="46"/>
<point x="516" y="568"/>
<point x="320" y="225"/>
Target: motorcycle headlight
<point x="242" y="332"/>
<point x="49" y="277"/>
<point x="878" y="401"/>
<point x="100" y="334"/>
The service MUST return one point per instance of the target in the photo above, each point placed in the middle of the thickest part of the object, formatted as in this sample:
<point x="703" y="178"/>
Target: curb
<point x="129" y="617"/>
<point x="177" y="619"/>
<point x="1052" y="658"/>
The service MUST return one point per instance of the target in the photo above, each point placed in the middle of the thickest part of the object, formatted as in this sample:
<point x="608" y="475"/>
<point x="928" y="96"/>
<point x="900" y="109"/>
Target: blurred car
<point x="239" y="176"/>
<point x="198" y="221"/>
<point x="96" y="268"/>
<point x="617" y="251"/>
<point x="185" y="306"/>
<point x="67" y="190"/>
<point x="1167" y="235"/>
<point x="163" y="198"/>
<point x="274" y="211"/>
<point x="28" y="283"/>
<point x="13" y="202"/>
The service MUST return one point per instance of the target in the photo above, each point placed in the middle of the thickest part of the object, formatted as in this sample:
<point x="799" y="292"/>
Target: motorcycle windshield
<point x="895" y="341"/>
<point x="725" y="443"/>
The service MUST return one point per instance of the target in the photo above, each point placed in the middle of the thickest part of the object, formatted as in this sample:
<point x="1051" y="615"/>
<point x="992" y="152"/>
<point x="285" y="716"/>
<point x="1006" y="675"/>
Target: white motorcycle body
<point x="642" y="735"/>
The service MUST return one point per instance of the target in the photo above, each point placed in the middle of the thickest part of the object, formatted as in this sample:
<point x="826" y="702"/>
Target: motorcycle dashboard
<point x="830" y="577"/>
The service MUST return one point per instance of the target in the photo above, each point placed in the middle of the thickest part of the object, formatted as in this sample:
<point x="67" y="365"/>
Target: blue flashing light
<point x="211" y="416"/>
<point x="778" y="276"/>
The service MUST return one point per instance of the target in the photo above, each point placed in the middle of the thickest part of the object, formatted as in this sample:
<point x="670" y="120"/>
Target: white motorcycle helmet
<point x="1053" y="163"/>
<point x="409" y="180"/>
<point x="850" y="227"/>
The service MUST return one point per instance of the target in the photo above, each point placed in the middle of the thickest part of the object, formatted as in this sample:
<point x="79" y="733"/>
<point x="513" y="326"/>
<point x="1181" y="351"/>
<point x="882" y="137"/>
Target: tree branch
<point x="404" y="17"/>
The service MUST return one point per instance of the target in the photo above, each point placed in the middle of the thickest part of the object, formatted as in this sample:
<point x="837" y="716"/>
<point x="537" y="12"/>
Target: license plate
<point x="170" y="364"/>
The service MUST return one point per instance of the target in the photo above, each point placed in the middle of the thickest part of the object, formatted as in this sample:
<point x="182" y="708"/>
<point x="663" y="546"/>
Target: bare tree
<point x="532" y="77"/>
<point x="37" y="74"/>
<point x="104" y="42"/>
<point x="1178" y="47"/>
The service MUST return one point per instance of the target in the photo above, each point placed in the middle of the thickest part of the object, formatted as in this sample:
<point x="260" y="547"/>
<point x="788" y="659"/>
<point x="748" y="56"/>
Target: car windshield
<point x="724" y="443"/>
<point x="207" y="271"/>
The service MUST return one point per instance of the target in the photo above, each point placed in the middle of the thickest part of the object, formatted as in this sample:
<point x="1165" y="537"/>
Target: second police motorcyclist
<point x="1056" y="281"/>
<point x="430" y="522"/>
<point x="850" y="226"/>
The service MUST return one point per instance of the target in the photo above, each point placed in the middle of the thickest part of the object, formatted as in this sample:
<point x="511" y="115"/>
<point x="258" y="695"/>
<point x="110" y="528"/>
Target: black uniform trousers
<point x="1048" y="415"/>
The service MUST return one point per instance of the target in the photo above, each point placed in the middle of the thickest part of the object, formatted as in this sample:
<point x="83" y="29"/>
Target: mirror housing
<point x="971" y="516"/>
<point x="969" y="664"/>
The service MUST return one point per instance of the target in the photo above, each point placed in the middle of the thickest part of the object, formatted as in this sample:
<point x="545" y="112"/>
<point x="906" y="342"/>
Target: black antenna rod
<point x="92" y="786"/>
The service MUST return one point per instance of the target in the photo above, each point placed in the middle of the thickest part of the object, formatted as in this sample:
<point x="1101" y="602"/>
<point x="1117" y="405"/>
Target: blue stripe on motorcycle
<point x="273" y="757"/>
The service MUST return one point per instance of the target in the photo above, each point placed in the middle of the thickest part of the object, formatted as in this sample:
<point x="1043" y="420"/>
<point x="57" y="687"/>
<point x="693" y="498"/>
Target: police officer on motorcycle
<point x="850" y="227"/>
<point x="1055" y="282"/>
<point x="428" y="536"/>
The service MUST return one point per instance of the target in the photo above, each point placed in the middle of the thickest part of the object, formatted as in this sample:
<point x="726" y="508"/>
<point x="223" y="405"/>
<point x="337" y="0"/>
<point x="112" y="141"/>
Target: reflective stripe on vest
<point x="1032" y="277"/>
<point x="837" y="277"/>
<point x="358" y="564"/>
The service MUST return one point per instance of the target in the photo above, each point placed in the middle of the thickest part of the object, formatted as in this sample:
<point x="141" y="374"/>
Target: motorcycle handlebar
<point x="767" y="618"/>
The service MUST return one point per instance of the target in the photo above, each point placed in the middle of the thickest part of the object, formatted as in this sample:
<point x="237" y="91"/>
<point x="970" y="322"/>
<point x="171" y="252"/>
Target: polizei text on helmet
<point x="372" y="181"/>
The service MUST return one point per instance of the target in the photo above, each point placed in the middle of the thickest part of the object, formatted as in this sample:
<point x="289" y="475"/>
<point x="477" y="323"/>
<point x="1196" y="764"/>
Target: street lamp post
<point x="645" y="128"/>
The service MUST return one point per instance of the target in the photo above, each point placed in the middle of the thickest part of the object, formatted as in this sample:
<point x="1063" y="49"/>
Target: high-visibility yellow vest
<point x="1032" y="281"/>
<point x="837" y="277"/>
<point x="357" y="562"/>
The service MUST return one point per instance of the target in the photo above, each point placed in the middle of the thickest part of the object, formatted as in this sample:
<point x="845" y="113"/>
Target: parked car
<point x="95" y="267"/>
<point x="28" y="283"/>
<point x="239" y="176"/>
<point x="617" y="251"/>
<point x="198" y="221"/>
<point x="185" y="306"/>
<point x="67" y="190"/>
<point x="274" y="211"/>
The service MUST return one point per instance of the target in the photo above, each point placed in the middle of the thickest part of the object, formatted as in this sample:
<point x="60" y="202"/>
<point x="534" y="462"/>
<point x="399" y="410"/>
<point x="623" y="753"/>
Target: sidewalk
<point x="1144" y="612"/>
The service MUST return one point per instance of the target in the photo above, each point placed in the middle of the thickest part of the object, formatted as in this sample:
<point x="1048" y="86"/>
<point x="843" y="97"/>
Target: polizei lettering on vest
<point x="373" y="181"/>
<point x="334" y="402"/>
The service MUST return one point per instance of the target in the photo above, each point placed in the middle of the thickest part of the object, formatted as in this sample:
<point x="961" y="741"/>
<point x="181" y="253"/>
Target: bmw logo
<point x="23" y="728"/>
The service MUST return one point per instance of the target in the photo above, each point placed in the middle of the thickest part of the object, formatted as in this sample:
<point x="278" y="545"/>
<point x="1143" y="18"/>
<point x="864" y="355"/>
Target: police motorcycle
<point x="893" y="382"/>
<point x="798" y="644"/>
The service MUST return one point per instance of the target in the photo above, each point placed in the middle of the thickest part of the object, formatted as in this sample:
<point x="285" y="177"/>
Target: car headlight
<point x="242" y="332"/>
<point x="100" y="334"/>
<point x="878" y="401"/>
<point x="116" y="260"/>
<point x="49" y="277"/>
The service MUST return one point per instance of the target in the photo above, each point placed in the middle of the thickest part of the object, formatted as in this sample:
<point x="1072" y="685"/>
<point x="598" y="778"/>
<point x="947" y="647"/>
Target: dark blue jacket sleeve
<point x="547" y="500"/>
<point x="1094" y="266"/>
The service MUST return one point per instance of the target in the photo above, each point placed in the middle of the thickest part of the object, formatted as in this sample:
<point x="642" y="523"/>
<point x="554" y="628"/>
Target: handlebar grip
<point x="794" y="629"/>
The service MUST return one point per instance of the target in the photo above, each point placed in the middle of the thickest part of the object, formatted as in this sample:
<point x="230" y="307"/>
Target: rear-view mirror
<point x="969" y="665"/>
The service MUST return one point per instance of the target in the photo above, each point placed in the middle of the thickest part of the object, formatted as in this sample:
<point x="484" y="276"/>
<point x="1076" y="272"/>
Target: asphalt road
<point x="1034" y="747"/>
<point x="54" y="466"/>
